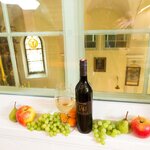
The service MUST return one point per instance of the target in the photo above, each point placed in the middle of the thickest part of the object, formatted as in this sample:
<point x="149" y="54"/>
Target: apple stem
<point x="126" y="115"/>
<point x="141" y="120"/>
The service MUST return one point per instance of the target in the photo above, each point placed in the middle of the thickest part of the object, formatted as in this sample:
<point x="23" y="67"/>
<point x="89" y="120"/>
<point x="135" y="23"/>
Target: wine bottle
<point x="84" y="96"/>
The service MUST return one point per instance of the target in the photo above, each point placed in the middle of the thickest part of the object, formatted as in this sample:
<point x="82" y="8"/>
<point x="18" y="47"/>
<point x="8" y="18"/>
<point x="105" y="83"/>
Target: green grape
<point x="31" y="128"/>
<point x="102" y="135"/>
<point x="51" y="124"/>
<point x="95" y="126"/>
<point x="54" y="128"/>
<point x="46" y="121"/>
<point x="95" y="130"/>
<point x="108" y="122"/>
<point x="99" y="123"/>
<point x="39" y="129"/>
<point x="113" y="125"/>
<point x="96" y="135"/>
<point x="109" y="132"/>
<point x="28" y="125"/>
<point x="44" y="116"/>
<point x="35" y="127"/>
<point x="102" y="141"/>
<point x="51" y="133"/>
<point x="114" y="132"/>
<point x="47" y="129"/>
<point x="32" y="123"/>
<point x="109" y="127"/>
<point x="103" y="130"/>
<point x="43" y="126"/>
<point x="105" y="125"/>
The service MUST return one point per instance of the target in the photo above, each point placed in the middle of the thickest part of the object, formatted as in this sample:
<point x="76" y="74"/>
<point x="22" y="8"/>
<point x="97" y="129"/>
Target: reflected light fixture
<point x="143" y="9"/>
<point x="9" y="1"/>
<point x="24" y="4"/>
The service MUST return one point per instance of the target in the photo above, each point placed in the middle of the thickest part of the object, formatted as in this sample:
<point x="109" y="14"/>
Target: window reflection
<point x="47" y="17"/>
<point x="106" y="14"/>
<point x="119" y="63"/>
<point x="2" y="27"/>
<point x="54" y="61"/>
<point x="6" y="70"/>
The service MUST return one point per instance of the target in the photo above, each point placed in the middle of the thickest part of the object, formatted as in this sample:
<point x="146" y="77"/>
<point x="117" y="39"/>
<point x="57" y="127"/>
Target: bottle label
<point x="84" y="108"/>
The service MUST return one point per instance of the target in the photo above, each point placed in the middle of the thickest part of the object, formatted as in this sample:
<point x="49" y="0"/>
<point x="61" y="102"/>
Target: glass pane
<point x="54" y="63"/>
<point x="47" y="17"/>
<point x="6" y="70"/>
<point x="121" y="70"/>
<point x="110" y="44"/>
<point x="106" y="14"/>
<point x="34" y="55"/>
<point x="120" y="44"/>
<point x="36" y="66"/>
<point x="111" y="37"/>
<point x="2" y="26"/>
<point x="33" y="42"/>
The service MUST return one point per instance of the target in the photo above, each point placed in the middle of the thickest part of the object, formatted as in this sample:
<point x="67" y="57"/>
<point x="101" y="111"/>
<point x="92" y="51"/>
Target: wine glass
<point x="64" y="100"/>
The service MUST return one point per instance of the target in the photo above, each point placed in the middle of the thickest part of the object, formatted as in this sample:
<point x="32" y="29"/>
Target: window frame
<point x="73" y="27"/>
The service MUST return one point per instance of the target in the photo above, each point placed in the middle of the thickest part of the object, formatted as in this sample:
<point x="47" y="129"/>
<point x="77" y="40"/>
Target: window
<point x="34" y="54"/>
<point x="90" y="41"/>
<point x="106" y="26"/>
<point x="116" y="41"/>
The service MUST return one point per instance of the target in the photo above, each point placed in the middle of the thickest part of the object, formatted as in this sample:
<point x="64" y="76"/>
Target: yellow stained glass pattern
<point x="33" y="43"/>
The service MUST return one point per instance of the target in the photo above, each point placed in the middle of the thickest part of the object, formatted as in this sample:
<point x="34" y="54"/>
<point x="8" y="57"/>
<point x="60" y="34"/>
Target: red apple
<point x="140" y="126"/>
<point x="25" y="114"/>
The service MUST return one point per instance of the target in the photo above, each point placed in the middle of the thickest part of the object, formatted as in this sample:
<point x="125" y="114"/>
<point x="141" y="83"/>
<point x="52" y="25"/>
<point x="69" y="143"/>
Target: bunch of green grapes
<point x="49" y="123"/>
<point x="102" y="128"/>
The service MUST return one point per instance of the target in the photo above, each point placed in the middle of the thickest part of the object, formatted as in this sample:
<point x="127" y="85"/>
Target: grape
<point x="50" y="123"/>
<point x="109" y="127"/>
<point x="99" y="123"/>
<point x="102" y="128"/>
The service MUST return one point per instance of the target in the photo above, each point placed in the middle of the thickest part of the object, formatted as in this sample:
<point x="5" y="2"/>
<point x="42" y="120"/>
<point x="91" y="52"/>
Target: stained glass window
<point x="34" y="54"/>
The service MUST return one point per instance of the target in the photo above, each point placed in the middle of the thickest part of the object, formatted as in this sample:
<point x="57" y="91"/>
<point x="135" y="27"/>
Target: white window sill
<point x="13" y="134"/>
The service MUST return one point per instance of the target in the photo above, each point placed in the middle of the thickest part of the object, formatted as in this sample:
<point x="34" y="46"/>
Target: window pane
<point x="35" y="66"/>
<point x="106" y="14"/>
<point x="2" y="26"/>
<point x="120" y="37"/>
<point x="113" y="75"/>
<point x="116" y="41"/>
<point x="33" y="42"/>
<point x="34" y="55"/>
<point x="110" y="44"/>
<point x="111" y="37"/>
<point x="6" y="70"/>
<point x="120" y="44"/>
<point x="54" y="63"/>
<point x="47" y="17"/>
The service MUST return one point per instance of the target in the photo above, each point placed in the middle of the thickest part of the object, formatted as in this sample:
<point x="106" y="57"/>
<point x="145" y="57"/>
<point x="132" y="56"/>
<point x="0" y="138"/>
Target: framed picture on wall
<point x="99" y="64"/>
<point x="132" y="76"/>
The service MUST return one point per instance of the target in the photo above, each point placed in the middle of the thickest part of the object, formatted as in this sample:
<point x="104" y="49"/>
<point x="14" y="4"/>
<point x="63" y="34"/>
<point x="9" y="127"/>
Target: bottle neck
<point x="83" y="78"/>
<point x="83" y="70"/>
